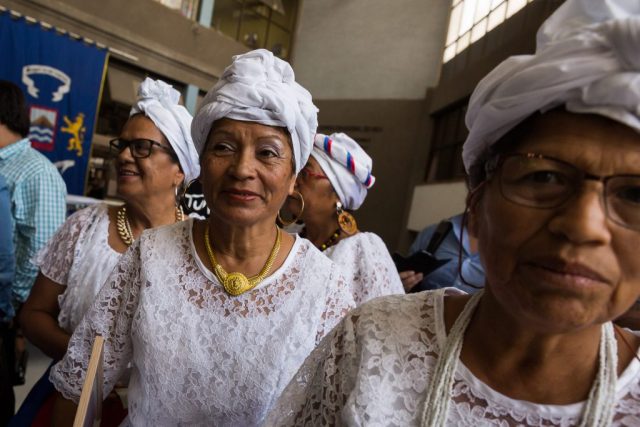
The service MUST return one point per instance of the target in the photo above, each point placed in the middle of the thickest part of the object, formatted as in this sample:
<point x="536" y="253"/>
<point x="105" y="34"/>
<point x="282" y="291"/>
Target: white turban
<point x="258" y="87"/>
<point x="347" y="166"/>
<point x="159" y="102"/>
<point x="587" y="59"/>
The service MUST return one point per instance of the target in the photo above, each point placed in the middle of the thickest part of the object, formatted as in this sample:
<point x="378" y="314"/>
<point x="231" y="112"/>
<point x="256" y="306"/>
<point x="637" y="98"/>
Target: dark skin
<point x="319" y="214"/>
<point x="535" y="334"/>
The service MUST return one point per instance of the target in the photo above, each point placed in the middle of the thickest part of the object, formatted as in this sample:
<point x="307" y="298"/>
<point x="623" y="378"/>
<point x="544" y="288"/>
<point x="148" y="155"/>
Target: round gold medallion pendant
<point x="236" y="284"/>
<point x="347" y="223"/>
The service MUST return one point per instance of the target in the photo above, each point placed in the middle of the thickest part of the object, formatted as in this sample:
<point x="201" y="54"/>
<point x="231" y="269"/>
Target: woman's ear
<point x="179" y="178"/>
<point x="292" y="184"/>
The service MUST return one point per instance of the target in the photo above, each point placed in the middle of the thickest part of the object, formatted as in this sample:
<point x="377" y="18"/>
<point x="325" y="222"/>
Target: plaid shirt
<point x="37" y="206"/>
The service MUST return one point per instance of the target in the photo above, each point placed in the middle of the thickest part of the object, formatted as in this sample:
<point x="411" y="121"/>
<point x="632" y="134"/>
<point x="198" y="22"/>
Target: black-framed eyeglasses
<point x="139" y="148"/>
<point x="543" y="182"/>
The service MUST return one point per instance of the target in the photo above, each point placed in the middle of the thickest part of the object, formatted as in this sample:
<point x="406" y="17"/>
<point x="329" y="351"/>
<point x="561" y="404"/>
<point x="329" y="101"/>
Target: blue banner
<point x="62" y="80"/>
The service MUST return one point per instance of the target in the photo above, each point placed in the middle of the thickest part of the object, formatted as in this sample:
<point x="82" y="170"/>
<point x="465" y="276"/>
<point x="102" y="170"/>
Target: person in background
<point x="7" y="338"/>
<point x="215" y="316"/>
<point x="448" y="275"/>
<point x="553" y="156"/>
<point x="37" y="193"/>
<point x="334" y="181"/>
<point x="154" y="157"/>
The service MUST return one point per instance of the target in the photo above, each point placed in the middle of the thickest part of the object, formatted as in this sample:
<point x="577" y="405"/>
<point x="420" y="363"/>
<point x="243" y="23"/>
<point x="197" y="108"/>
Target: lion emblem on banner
<point x="77" y="130"/>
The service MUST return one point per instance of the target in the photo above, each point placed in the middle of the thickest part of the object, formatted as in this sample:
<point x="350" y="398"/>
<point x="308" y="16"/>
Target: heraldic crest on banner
<point x="62" y="78"/>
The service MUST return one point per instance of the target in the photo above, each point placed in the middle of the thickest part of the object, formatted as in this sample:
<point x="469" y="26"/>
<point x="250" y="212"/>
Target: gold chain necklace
<point x="237" y="283"/>
<point x="124" y="227"/>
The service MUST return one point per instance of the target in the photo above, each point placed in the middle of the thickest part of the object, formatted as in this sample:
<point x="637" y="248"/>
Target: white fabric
<point x="374" y="368"/>
<point x="159" y="101"/>
<point x="79" y="257"/>
<point x="199" y="356"/>
<point x="259" y="87"/>
<point x="347" y="166"/>
<point x="366" y="263"/>
<point x="586" y="59"/>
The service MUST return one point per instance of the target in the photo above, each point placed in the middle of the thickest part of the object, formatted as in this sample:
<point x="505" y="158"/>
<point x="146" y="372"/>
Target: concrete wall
<point x="370" y="49"/>
<point x="368" y="65"/>
<point x="392" y="132"/>
<point x="434" y="201"/>
<point x="151" y="35"/>
<point x="431" y="203"/>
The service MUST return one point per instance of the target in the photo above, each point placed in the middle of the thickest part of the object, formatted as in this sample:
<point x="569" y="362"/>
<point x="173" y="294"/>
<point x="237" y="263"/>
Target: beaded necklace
<point x="598" y="410"/>
<point x="330" y="241"/>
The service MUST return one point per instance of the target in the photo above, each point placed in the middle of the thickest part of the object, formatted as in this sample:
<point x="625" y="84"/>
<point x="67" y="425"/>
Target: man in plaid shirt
<point x="36" y="190"/>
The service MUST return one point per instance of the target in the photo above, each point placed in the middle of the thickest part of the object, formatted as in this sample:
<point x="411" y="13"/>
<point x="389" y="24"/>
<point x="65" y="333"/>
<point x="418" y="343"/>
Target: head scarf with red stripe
<point x="347" y="166"/>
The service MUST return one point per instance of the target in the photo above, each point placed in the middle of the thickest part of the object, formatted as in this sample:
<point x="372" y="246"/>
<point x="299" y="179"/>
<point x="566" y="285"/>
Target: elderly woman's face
<point x="247" y="171"/>
<point x="157" y="173"/>
<point x="563" y="268"/>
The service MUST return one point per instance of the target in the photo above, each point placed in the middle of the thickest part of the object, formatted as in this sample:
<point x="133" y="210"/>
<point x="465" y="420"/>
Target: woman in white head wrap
<point x="216" y="316"/>
<point x="334" y="181"/>
<point x="554" y="149"/>
<point x="154" y="156"/>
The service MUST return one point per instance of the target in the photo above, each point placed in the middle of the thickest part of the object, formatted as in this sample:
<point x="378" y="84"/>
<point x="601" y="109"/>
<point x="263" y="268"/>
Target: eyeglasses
<point x="307" y="173"/>
<point x="140" y="148"/>
<point x="543" y="182"/>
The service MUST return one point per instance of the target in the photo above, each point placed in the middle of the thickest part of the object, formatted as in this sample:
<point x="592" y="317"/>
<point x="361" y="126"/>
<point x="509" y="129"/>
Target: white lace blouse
<point x="373" y="369"/>
<point x="199" y="356"/>
<point x="366" y="262"/>
<point x="79" y="257"/>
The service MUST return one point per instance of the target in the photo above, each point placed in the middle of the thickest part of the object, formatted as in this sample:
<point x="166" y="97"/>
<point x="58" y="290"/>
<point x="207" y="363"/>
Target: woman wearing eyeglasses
<point x="335" y="181"/>
<point x="554" y="160"/>
<point x="154" y="156"/>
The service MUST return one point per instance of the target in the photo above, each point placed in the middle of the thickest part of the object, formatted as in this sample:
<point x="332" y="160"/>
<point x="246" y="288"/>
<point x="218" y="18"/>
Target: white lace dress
<point x="79" y="257"/>
<point x="366" y="262"/>
<point x="373" y="369"/>
<point x="199" y="356"/>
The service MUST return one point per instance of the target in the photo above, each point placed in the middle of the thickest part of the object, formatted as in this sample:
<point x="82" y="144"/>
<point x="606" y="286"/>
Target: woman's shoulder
<point x="90" y="214"/>
<point x="80" y="223"/>
<point x="177" y="229"/>
<point x="390" y="312"/>
<point x="362" y="242"/>
<point x="304" y="251"/>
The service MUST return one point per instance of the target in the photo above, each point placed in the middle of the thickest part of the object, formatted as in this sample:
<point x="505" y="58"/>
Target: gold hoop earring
<point x="346" y="221"/>
<point x="283" y="223"/>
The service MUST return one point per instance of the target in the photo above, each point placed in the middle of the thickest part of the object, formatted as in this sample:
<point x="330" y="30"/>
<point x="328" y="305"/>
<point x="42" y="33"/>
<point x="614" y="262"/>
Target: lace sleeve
<point x="338" y="303"/>
<point x="110" y="316"/>
<point x="376" y="274"/>
<point x="320" y="389"/>
<point x="57" y="256"/>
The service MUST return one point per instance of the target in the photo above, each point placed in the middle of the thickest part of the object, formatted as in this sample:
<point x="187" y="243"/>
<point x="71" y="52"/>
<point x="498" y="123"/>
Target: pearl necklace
<point x="236" y="283"/>
<point x="124" y="227"/>
<point x="598" y="410"/>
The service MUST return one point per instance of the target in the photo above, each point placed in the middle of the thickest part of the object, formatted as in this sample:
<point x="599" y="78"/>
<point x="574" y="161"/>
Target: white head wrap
<point x="159" y="102"/>
<point x="347" y="166"/>
<point x="259" y="87"/>
<point x="587" y="59"/>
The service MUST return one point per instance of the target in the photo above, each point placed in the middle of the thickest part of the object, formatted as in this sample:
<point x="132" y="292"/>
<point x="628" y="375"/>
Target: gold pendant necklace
<point x="236" y="283"/>
<point x="124" y="227"/>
